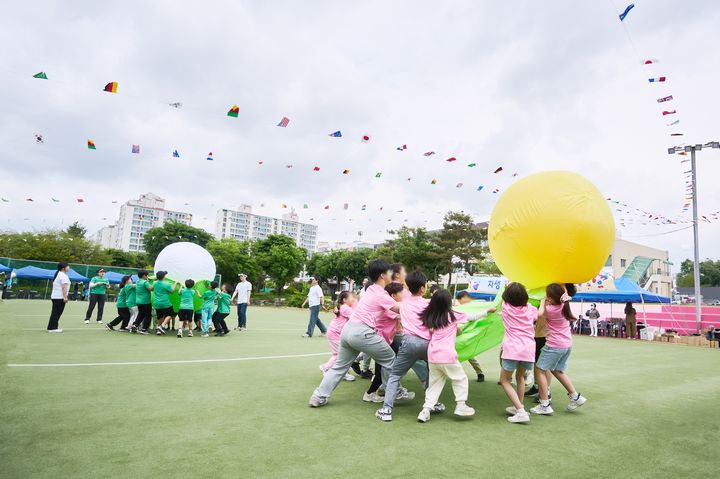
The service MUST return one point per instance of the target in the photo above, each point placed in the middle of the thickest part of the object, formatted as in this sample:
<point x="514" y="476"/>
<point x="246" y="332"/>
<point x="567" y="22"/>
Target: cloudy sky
<point x="525" y="85"/>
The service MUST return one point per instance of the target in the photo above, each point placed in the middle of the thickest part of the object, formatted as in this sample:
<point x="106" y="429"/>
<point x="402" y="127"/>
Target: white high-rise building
<point x="243" y="225"/>
<point x="136" y="218"/>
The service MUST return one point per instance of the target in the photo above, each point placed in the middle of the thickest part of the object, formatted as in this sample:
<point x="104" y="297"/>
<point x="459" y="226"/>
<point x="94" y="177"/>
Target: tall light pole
<point x="696" y="264"/>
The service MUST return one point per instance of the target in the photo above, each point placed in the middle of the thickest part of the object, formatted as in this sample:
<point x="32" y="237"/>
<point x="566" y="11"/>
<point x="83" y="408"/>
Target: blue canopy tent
<point x="4" y="269"/>
<point x="33" y="272"/>
<point x="115" y="278"/>
<point x="625" y="290"/>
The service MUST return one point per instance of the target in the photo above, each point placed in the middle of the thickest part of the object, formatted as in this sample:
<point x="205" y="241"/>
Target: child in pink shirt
<point x="442" y="322"/>
<point x="555" y="308"/>
<point x="518" y="347"/>
<point x="346" y="302"/>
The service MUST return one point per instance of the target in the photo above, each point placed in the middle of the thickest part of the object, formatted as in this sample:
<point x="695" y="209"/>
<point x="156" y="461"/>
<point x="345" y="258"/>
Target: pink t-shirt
<point x="559" y="334"/>
<point x="339" y="322"/>
<point x="519" y="340"/>
<point x="386" y="325"/>
<point x="410" y="311"/>
<point x="373" y="303"/>
<point x="441" y="349"/>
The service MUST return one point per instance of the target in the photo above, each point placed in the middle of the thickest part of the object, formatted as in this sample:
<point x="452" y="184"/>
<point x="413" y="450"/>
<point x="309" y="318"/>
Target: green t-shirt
<point x="130" y="295"/>
<point x="101" y="287"/>
<point x="223" y="303"/>
<point x="209" y="299"/>
<point x="121" y="302"/>
<point x="142" y="291"/>
<point x="187" y="295"/>
<point x="161" y="294"/>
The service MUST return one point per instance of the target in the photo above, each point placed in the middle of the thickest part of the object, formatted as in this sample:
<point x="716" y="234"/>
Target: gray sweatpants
<point x="354" y="339"/>
<point x="412" y="349"/>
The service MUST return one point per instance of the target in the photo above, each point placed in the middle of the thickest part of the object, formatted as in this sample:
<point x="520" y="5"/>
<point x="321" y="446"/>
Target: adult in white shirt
<point x="242" y="296"/>
<point x="59" y="296"/>
<point x="315" y="301"/>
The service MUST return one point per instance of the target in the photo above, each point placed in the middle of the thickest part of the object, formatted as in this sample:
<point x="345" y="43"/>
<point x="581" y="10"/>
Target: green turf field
<point x="652" y="409"/>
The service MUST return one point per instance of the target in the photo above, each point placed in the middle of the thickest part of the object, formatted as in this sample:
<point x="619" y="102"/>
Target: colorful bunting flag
<point x="650" y="61"/>
<point x="176" y="104"/>
<point x="428" y="153"/>
<point x="676" y="134"/>
<point x="346" y="172"/>
<point x="234" y="111"/>
<point x="666" y="112"/>
<point x="479" y="188"/>
<point x="345" y="206"/>
<point x="673" y="123"/>
<point x="136" y="149"/>
<point x="336" y="134"/>
<point x="40" y="75"/>
<point x="327" y="207"/>
<point x="401" y="148"/>
<point x="317" y="168"/>
<point x="176" y="154"/>
<point x="378" y="175"/>
<point x="472" y="165"/>
<point x="55" y="200"/>
<point x="656" y="80"/>
<point x="30" y="200"/>
<point x="288" y="166"/>
<point x="626" y="11"/>
<point x="305" y="206"/>
<point x="366" y="138"/>
<point x="665" y="98"/>
<point x="80" y="200"/>
<point x="39" y="139"/>
<point x="498" y="170"/>
<point x="210" y="157"/>
<point x="111" y="87"/>
<point x="91" y="145"/>
<point x="433" y="182"/>
<point x="5" y="200"/>
<point x="451" y="159"/>
<point x="459" y="185"/>
<point x="284" y="122"/>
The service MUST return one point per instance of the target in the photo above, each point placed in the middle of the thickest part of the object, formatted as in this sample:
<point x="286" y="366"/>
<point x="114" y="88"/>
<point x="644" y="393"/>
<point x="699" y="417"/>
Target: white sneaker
<point x="58" y="330"/>
<point x="404" y="395"/>
<point x="520" y="417"/>
<point x="542" y="410"/>
<point x="190" y="333"/>
<point x="424" y="415"/>
<point x="438" y="407"/>
<point x="349" y="377"/>
<point x="372" y="397"/>
<point x="511" y="411"/>
<point x="87" y="321"/>
<point x="99" y="322"/>
<point x="179" y="334"/>
<point x="464" y="410"/>
<point x="576" y="403"/>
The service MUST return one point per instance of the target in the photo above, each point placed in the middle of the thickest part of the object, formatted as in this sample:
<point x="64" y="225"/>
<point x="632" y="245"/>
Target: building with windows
<point x="243" y="225"/>
<point x="648" y="267"/>
<point x="136" y="218"/>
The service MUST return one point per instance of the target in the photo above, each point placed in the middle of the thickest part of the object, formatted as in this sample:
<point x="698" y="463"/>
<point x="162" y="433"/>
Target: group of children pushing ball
<point x="135" y="305"/>
<point x="401" y="330"/>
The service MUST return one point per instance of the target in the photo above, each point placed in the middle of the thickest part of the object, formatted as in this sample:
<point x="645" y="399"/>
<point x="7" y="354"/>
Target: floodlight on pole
<point x="696" y="243"/>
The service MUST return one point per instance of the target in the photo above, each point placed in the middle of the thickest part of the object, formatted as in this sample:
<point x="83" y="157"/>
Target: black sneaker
<point x="109" y="328"/>
<point x="367" y="374"/>
<point x="481" y="378"/>
<point x="533" y="390"/>
<point x="133" y="329"/>
<point x="356" y="367"/>
<point x="124" y="330"/>
<point x="160" y="330"/>
<point x="142" y="331"/>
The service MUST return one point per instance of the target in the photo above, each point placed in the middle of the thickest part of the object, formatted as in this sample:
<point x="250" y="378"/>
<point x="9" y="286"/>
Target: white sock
<point x="544" y="402"/>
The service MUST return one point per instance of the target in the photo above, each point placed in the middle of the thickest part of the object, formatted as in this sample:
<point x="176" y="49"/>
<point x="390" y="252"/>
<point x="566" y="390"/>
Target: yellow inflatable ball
<point x="553" y="226"/>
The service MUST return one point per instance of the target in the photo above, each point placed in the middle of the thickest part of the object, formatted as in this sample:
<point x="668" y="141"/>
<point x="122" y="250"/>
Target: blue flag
<point x="336" y="134"/>
<point x="176" y="154"/>
<point x="627" y="10"/>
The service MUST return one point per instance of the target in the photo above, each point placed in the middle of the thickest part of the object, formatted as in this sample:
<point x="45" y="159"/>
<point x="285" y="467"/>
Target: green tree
<point x="414" y="248"/>
<point x="280" y="258"/>
<point x="53" y="246"/>
<point x="339" y="266"/>
<point x="233" y="257"/>
<point x="173" y="232"/>
<point x="709" y="274"/>
<point x="487" y="266"/>
<point x="459" y="241"/>
<point x="76" y="230"/>
<point x="128" y="259"/>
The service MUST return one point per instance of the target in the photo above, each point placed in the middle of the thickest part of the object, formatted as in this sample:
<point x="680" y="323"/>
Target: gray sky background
<point x="526" y="85"/>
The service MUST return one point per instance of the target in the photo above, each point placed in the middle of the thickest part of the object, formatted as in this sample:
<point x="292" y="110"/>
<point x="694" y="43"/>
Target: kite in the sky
<point x="176" y="154"/>
<point x="656" y="80"/>
<point x="650" y="61"/>
<point x="234" y="111"/>
<point x="451" y="159"/>
<point x="210" y="157"/>
<point x="664" y="99"/>
<point x="176" y="104"/>
<point x="666" y="112"/>
<point x="498" y="170"/>
<point x="346" y="172"/>
<point x="366" y="138"/>
<point x="378" y="175"/>
<point x="91" y="145"/>
<point x="401" y="148"/>
<point x="39" y="138"/>
<point x="284" y="122"/>
<point x="316" y="168"/>
<point x="40" y="75"/>
<point x="111" y="87"/>
<point x="336" y="134"/>
<point x="626" y="11"/>
<point x="136" y="149"/>
<point x="428" y="153"/>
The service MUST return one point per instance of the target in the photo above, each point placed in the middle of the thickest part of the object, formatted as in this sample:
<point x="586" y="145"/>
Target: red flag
<point x="451" y="159"/>
<point x="498" y="170"/>
<point x="317" y="168"/>
<point x="80" y="200"/>
<point x="665" y="112"/>
<point x="428" y="153"/>
<point x="327" y="207"/>
<point x="366" y="138"/>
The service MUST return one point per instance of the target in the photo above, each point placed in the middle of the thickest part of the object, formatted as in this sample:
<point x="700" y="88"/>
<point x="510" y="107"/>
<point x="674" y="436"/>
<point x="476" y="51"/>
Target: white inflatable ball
<point x="186" y="261"/>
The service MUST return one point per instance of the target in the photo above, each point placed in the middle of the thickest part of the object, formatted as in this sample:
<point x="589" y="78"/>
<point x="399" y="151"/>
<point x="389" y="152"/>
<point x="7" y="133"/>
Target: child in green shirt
<point x="187" y="306"/>
<point x="208" y="307"/>
<point x="223" y="309"/>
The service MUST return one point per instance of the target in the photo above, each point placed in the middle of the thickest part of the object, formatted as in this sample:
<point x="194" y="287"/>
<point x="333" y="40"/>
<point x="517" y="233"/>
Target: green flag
<point x="472" y="165"/>
<point x="41" y="75"/>
<point x="378" y="175"/>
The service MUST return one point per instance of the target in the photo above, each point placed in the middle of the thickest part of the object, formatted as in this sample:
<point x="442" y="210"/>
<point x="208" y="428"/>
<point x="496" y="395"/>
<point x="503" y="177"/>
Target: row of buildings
<point x="138" y="216"/>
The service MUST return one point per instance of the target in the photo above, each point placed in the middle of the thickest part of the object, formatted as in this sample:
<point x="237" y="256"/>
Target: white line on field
<point x="144" y="363"/>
